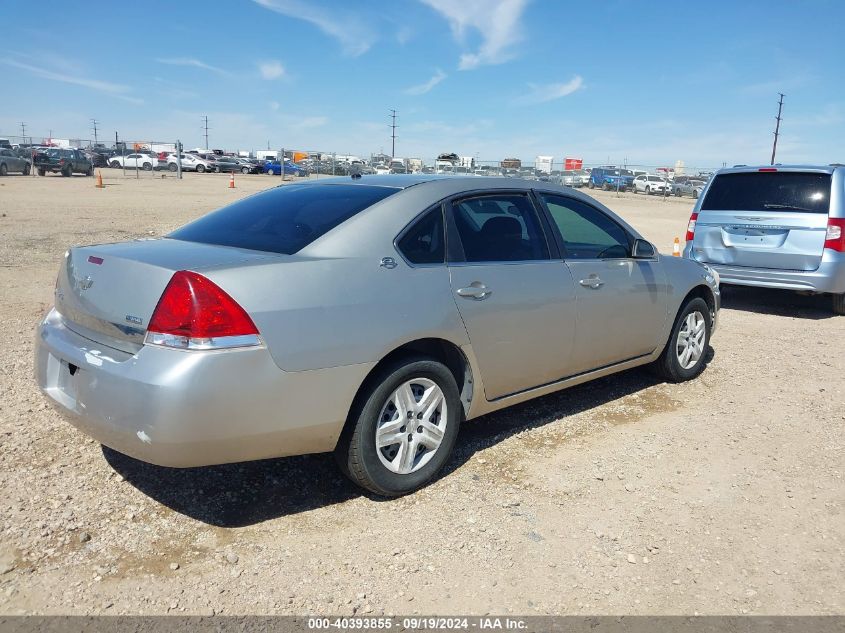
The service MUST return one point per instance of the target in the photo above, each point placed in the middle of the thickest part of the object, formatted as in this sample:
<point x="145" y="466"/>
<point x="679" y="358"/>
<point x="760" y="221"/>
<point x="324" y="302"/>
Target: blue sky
<point x="648" y="82"/>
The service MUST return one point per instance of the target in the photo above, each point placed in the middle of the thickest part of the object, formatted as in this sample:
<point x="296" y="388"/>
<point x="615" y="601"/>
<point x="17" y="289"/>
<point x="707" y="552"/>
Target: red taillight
<point x="834" y="239"/>
<point x="195" y="313"/>
<point x="691" y="227"/>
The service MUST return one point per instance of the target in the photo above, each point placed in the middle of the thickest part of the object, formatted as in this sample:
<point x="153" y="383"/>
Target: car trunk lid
<point x="764" y="219"/>
<point x="108" y="293"/>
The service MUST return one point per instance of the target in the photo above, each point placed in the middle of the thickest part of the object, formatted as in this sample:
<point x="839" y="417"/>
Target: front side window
<point x="500" y="228"/>
<point x="424" y="242"/>
<point x="587" y="233"/>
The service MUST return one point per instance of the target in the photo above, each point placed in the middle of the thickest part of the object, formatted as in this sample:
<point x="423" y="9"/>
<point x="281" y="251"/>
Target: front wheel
<point x="683" y="357"/>
<point x="147" y="166"/>
<point x="403" y="429"/>
<point x="590" y="185"/>
<point x="41" y="172"/>
<point x="173" y="167"/>
<point x="244" y="170"/>
<point x="3" y="169"/>
<point x="67" y="172"/>
<point x="114" y="164"/>
<point x="606" y="186"/>
<point x="26" y="170"/>
<point x="200" y="169"/>
<point x="89" y="171"/>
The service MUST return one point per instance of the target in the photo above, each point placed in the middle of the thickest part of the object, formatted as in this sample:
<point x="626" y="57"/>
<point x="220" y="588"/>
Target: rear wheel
<point x="172" y="167"/>
<point x="27" y="169"/>
<point x="590" y="185"/>
<point x="839" y="304"/>
<point x="695" y="194"/>
<point x="41" y="172"/>
<point x="114" y="164"/>
<point x="606" y="186"/>
<point x="90" y="171"/>
<point x="200" y="169"/>
<point x="683" y="357"/>
<point x="67" y="172"/>
<point x="147" y="166"/>
<point x="3" y="169"/>
<point x="244" y="170"/>
<point x="403" y="430"/>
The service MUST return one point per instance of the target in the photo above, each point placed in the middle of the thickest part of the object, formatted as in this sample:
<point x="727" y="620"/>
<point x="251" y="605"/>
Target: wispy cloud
<point x="191" y="62"/>
<point x="498" y="23"/>
<point x="271" y="70"/>
<point x="423" y="88"/>
<point x="355" y="36"/>
<point x="117" y="91"/>
<point x="542" y="93"/>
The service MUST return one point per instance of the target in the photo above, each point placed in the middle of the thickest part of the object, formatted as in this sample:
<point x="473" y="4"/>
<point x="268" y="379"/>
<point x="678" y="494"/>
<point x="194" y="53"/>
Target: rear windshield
<point x="769" y="191"/>
<point x="284" y="219"/>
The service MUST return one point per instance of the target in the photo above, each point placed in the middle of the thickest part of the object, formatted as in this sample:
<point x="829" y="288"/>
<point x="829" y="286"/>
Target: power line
<point x="393" y="127"/>
<point x="777" y="127"/>
<point x="205" y="125"/>
<point x="94" y="123"/>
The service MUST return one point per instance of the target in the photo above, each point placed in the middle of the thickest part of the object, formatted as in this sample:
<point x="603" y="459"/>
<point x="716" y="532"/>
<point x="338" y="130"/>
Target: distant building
<point x="511" y="163"/>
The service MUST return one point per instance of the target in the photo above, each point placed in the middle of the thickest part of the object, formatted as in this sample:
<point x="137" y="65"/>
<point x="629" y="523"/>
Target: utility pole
<point x="777" y="127"/>
<point x="23" y="131"/>
<point x="393" y="127"/>
<point x="205" y="125"/>
<point x="94" y="123"/>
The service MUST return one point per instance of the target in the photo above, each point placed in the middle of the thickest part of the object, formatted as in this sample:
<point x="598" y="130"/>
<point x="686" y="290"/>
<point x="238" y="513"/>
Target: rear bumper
<point x="187" y="408"/>
<point x="829" y="277"/>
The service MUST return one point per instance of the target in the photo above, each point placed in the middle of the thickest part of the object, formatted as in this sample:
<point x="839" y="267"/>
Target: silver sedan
<point x="367" y="316"/>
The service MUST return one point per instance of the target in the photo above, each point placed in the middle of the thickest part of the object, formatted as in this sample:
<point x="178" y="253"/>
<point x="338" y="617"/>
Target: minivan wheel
<point x="403" y="429"/>
<point x="839" y="304"/>
<point x="683" y="357"/>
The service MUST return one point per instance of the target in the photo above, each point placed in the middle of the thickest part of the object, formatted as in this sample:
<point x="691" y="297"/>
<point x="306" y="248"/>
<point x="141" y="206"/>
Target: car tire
<point x="67" y="172"/>
<point x="41" y="172"/>
<point x="200" y="169"/>
<point x="244" y="170"/>
<point x="172" y="167"/>
<point x="377" y="469"/>
<point x="89" y="172"/>
<point x="590" y="185"/>
<point x="671" y="365"/>
<point x="4" y="170"/>
<point x="147" y="166"/>
<point x="26" y="170"/>
<point x="648" y="190"/>
<point x="606" y="186"/>
<point x="839" y="304"/>
<point x="114" y="165"/>
<point x="695" y="194"/>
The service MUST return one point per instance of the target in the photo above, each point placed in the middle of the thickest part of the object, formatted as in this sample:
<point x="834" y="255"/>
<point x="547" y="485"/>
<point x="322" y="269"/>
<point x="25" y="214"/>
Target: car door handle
<point x="592" y="282"/>
<point x="475" y="290"/>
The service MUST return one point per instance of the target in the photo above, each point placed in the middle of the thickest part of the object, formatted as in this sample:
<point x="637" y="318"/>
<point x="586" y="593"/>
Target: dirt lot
<point x="625" y="496"/>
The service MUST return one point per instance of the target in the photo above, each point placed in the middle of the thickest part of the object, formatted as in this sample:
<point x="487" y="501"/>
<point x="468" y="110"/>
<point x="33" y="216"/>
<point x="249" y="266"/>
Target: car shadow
<point x="776" y="302"/>
<point x="238" y="495"/>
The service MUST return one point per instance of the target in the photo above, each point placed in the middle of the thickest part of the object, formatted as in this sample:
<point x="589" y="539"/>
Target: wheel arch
<point x="702" y="291"/>
<point x="439" y="349"/>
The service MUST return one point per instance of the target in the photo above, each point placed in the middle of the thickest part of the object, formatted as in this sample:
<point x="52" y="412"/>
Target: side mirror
<point x="643" y="250"/>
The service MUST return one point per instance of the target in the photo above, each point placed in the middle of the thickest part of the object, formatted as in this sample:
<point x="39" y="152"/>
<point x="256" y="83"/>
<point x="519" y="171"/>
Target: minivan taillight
<point x="691" y="227"/>
<point x="195" y="313"/>
<point x="834" y="239"/>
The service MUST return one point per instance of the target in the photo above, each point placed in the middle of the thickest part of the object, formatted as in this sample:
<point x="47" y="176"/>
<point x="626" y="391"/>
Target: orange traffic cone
<point x="676" y="249"/>
<point x="100" y="184"/>
<point x="232" y="181"/>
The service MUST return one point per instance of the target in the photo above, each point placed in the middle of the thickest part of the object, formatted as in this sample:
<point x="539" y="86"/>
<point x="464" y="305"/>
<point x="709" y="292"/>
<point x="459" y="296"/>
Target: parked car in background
<point x="774" y="227"/>
<point x="190" y="162"/>
<point x="11" y="162"/>
<point x="571" y="178"/>
<point x="275" y="168"/>
<point x="135" y="160"/>
<point x="258" y="312"/>
<point x="608" y="178"/>
<point x="250" y="166"/>
<point x="64" y="161"/>
<point x="688" y="187"/>
<point x="650" y="184"/>
<point x="229" y="165"/>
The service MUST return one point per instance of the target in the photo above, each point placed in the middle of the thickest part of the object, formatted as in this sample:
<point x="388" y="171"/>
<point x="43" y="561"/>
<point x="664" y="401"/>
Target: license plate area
<point x="754" y="237"/>
<point x="67" y="380"/>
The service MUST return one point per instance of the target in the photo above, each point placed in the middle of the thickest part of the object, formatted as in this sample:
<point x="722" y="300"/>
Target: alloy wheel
<point x="689" y="347"/>
<point x="411" y="426"/>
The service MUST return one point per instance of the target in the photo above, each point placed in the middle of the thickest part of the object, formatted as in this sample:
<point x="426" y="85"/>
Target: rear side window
<point x="500" y="228"/>
<point x="424" y="242"/>
<point x="769" y="191"/>
<point x="282" y="220"/>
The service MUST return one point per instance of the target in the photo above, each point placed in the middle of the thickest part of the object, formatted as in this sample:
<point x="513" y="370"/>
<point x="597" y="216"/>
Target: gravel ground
<point x="624" y="496"/>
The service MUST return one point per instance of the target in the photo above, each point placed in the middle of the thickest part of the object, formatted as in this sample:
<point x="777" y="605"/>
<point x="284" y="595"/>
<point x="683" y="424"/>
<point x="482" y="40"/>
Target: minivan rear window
<point x="284" y="219"/>
<point x="769" y="191"/>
